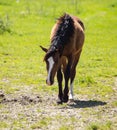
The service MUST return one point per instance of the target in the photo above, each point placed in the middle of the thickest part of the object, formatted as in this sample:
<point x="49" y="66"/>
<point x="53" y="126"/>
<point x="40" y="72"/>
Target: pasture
<point x="26" y="102"/>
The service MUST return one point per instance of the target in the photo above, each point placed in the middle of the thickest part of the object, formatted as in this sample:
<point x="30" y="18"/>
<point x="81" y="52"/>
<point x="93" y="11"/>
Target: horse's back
<point x="79" y="35"/>
<point x="79" y="21"/>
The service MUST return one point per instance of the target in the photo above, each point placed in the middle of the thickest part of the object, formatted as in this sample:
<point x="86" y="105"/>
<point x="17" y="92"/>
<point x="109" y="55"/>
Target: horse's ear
<point x="44" y="49"/>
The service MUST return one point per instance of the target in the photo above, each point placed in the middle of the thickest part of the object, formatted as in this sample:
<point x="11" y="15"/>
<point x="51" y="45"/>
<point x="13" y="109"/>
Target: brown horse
<point x="67" y="38"/>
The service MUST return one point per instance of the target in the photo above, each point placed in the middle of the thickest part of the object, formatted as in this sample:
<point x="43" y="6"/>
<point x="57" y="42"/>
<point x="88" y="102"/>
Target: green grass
<point x="27" y="24"/>
<point x="30" y="22"/>
<point x="97" y="126"/>
<point x="66" y="128"/>
<point x="3" y="125"/>
<point x="43" y="123"/>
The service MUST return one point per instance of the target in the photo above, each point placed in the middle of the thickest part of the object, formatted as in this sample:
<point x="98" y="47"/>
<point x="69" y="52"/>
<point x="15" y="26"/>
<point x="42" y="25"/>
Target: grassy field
<point x="26" y="24"/>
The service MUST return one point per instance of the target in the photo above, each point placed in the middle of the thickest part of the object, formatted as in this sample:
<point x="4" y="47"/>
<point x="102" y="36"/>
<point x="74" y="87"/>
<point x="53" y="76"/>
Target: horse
<point x="67" y="39"/>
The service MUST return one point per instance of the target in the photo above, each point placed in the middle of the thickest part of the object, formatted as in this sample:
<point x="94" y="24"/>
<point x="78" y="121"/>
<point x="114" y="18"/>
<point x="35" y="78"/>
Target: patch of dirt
<point x="29" y="110"/>
<point x="22" y="99"/>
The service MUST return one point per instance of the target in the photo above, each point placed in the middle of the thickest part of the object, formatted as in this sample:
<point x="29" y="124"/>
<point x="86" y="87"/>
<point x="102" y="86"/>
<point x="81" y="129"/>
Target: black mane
<point x="65" y="30"/>
<point x="63" y="34"/>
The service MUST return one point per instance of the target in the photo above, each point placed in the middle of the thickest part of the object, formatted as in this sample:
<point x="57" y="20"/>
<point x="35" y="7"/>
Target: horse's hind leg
<point x="60" y="78"/>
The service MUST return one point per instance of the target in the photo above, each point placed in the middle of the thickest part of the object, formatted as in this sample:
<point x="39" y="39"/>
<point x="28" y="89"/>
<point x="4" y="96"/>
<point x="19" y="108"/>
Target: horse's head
<point x="52" y="59"/>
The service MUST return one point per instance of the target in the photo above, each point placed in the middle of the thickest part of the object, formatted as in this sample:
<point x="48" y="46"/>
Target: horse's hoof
<point x="59" y="101"/>
<point x="65" y="99"/>
<point x="71" y="100"/>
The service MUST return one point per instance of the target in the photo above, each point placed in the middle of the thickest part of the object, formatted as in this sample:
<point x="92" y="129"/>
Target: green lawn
<point x="25" y="25"/>
<point x="30" y="23"/>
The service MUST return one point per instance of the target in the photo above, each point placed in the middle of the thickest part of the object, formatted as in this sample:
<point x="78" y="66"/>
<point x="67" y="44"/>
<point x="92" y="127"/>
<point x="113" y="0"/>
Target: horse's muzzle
<point x="49" y="82"/>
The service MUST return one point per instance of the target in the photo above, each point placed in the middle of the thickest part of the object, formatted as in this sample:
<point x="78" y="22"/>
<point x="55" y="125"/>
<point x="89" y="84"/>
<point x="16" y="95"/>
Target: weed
<point x="5" y="25"/>
<point x="97" y="126"/>
<point x="93" y="126"/>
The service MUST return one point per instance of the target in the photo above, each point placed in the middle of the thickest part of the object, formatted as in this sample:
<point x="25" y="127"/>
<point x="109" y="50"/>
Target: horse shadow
<point x="86" y="104"/>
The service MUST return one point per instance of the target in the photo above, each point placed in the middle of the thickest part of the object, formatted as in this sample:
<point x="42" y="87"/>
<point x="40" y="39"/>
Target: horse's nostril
<point x="49" y="82"/>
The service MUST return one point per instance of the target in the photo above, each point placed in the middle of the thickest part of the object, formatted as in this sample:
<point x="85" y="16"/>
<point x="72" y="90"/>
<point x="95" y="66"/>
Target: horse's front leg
<point x="66" y="89"/>
<point x="60" y="78"/>
<point x="72" y="75"/>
